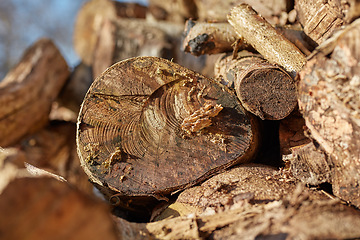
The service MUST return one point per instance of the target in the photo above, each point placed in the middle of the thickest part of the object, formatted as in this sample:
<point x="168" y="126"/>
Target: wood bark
<point x="213" y="10"/>
<point x="133" y="137"/>
<point x="116" y="44"/>
<point x="292" y="132"/>
<point x="264" y="89"/>
<point x="211" y="38"/>
<point x="321" y="19"/>
<point x="329" y="100"/>
<point x="309" y="164"/>
<point x="265" y="39"/>
<point x="28" y="90"/>
<point x="90" y="19"/>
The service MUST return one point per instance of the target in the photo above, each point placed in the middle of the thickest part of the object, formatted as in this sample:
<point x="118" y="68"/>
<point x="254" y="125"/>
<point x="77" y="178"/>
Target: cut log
<point x="320" y="19"/>
<point x="264" y="89"/>
<point x="265" y="39"/>
<point x="116" y="44"/>
<point x="213" y="10"/>
<point x="28" y="90"/>
<point x="149" y="127"/>
<point x="90" y="19"/>
<point x="45" y="208"/>
<point x="329" y="99"/>
<point x="173" y="11"/>
<point x="211" y="38"/>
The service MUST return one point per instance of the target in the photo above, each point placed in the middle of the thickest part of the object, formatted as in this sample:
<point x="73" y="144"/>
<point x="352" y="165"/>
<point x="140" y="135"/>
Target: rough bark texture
<point x="296" y="217"/>
<point x="321" y="18"/>
<point x="28" y="90"/>
<point x="264" y="89"/>
<point x="309" y="164"/>
<point x="265" y="39"/>
<point x="252" y="183"/>
<point x="148" y="127"/>
<point x="329" y="100"/>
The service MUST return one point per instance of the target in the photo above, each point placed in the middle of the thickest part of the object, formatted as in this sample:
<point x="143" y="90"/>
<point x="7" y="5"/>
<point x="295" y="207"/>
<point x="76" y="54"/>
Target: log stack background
<point x="304" y="182"/>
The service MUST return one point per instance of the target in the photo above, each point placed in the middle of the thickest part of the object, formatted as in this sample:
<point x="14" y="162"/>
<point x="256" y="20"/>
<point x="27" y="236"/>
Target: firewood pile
<point x="187" y="119"/>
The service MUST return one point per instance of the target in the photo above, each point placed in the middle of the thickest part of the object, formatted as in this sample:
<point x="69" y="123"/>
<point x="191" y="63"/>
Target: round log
<point x="149" y="127"/>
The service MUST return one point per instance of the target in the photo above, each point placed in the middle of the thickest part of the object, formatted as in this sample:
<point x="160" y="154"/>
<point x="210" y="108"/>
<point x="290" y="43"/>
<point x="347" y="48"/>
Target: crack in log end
<point x="200" y="119"/>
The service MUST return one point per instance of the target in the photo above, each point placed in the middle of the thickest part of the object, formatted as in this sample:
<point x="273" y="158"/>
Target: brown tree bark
<point x="264" y="89"/>
<point x="177" y="11"/>
<point x="28" y="90"/>
<point x="329" y="100"/>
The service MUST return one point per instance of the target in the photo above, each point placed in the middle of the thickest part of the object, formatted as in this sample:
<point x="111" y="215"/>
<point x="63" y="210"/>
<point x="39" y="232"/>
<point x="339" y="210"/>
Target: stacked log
<point x="195" y="120"/>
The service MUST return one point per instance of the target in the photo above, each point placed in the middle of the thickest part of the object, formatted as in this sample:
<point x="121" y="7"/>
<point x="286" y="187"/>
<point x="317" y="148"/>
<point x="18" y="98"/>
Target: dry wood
<point x="252" y="183"/>
<point x="264" y="89"/>
<point x="211" y="38"/>
<point x="292" y="132"/>
<point x="173" y="11"/>
<point x="28" y="90"/>
<point x="291" y="218"/>
<point x="265" y="39"/>
<point x="116" y="44"/>
<point x="149" y="127"/>
<point x="44" y="208"/>
<point x="75" y="88"/>
<point x="329" y="100"/>
<point x="90" y="19"/>
<point x="320" y="19"/>
<point x="309" y="164"/>
<point x="213" y="10"/>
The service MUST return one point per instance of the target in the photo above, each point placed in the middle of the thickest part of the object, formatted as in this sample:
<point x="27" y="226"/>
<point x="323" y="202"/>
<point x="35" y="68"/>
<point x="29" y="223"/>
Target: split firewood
<point x="249" y="183"/>
<point x="116" y="44"/>
<point x="329" y="100"/>
<point x="211" y="38"/>
<point x="286" y="219"/>
<point x="292" y="132"/>
<point x="173" y="11"/>
<point x="90" y="19"/>
<point x="320" y="19"/>
<point x="264" y="89"/>
<point x="149" y="127"/>
<point x="28" y="90"/>
<point x="265" y="39"/>
<point x="213" y="10"/>
<point x="45" y="208"/>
